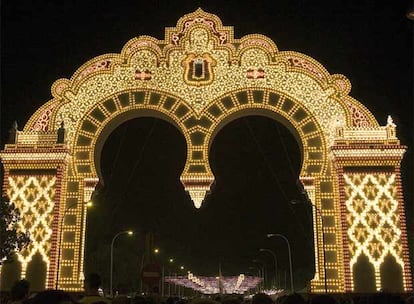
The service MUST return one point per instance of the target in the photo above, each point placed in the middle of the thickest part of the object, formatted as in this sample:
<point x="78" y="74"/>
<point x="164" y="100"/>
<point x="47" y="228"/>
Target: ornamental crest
<point x="198" y="65"/>
<point x="198" y="69"/>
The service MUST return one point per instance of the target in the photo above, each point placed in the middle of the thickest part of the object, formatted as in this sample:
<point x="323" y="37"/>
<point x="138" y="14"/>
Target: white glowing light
<point x="247" y="75"/>
<point x="211" y="285"/>
<point x="197" y="196"/>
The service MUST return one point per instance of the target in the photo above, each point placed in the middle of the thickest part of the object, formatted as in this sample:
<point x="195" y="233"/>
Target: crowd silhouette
<point x="20" y="294"/>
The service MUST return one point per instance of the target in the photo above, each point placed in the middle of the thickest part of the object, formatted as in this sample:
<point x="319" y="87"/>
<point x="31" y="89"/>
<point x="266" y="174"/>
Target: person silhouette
<point x="92" y="285"/>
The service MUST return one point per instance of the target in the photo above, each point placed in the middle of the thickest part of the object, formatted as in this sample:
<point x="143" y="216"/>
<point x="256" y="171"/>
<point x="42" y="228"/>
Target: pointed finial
<point x="61" y="133"/>
<point x="13" y="133"/>
<point x="197" y="196"/>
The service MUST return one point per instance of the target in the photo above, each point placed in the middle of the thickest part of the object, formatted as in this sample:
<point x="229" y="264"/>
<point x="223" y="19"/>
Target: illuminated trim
<point x="200" y="77"/>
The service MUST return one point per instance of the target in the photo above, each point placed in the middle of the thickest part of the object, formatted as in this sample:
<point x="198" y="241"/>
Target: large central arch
<point x="199" y="78"/>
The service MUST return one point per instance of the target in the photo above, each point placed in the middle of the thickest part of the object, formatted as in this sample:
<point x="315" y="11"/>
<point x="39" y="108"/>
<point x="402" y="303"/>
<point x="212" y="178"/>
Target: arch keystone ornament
<point x="199" y="78"/>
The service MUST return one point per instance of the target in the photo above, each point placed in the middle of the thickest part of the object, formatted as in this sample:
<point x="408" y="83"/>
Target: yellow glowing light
<point x="373" y="228"/>
<point x="130" y="232"/>
<point x="199" y="78"/>
<point x="34" y="198"/>
<point x="156" y="250"/>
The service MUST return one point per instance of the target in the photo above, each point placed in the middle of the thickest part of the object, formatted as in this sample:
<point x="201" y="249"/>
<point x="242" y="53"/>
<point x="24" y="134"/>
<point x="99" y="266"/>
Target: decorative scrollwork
<point x="42" y="123"/>
<point x="97" y="66"/>
<point x="359" y="118"/>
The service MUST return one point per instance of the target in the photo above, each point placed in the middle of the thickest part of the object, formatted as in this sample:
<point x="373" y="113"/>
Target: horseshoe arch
<point x="199" y="78"/>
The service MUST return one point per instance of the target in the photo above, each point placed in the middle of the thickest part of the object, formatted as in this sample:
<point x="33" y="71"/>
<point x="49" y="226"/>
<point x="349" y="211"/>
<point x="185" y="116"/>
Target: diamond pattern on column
<point x="373" y="221"/>
<point x="34" y="197"/>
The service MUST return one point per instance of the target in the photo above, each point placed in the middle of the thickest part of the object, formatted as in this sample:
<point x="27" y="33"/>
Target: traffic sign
<point x="151" y="274"/>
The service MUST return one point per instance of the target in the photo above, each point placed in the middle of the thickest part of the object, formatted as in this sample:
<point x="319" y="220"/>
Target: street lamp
<point x="156" y="250"/>
<point x="263" y="271"/>
<point x="179" y="286"/>
<point x="170" y="260"/>
<point x="87" y="204"/>
<point x="256" y="268"/>
<point x="129" y="232"/>
<point x="318" y="212"/>
<point x="275" y="258"/>
<point x="290" y="256"/>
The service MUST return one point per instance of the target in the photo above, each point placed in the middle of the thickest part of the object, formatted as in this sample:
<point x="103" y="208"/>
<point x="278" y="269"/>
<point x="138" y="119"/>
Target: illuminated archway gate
<point x="199" y="78"/>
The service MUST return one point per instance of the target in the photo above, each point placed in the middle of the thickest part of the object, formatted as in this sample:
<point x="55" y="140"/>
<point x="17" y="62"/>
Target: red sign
<point x="151" y="274"/>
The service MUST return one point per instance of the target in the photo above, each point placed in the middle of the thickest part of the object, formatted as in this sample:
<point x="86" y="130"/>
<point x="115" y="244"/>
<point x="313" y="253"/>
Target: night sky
<point x="255" y="160"/>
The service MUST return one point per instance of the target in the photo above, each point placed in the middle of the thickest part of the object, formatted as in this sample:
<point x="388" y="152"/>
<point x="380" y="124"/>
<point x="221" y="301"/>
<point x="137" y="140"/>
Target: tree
<point x="11" y="239"/>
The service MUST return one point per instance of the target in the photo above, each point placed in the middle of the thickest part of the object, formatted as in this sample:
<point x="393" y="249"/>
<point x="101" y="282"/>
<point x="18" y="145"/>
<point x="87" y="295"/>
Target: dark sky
<point x="255" y="160"/>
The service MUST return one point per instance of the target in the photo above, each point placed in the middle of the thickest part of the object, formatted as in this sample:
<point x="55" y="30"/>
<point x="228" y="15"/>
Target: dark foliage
<point x="11" y="239"/>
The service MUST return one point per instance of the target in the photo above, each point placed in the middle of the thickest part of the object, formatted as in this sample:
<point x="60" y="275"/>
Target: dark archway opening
<point x="364" y="275"/>
<point x="36" y="273"/>
<point x="391" y="275"/>
<point x="10" y="273"/>
<point x="256" y="161"/>
<point x="141" y="163"/>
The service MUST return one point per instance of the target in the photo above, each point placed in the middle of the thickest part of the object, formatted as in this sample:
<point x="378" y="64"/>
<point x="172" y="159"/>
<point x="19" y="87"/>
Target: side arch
<point x="345" y="151"/>
<point x="315" y="173"/>
<point x="275" y="105"/>
<point x="106" y="115"/>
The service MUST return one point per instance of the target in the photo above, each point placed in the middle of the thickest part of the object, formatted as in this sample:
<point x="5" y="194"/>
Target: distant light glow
<point x="200" y="77"/>
<point x="212" y="285"/>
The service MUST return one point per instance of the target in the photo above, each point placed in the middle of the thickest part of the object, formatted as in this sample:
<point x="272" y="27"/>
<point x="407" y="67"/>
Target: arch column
<point x="367" y="165"/>
<point x="35" y="168"/>
<point x="78" y="191"/>
<point x="199" y="78"/>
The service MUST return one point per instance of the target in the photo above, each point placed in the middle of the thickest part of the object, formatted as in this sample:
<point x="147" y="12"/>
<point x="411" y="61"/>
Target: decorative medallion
<point x="198" y="69"/>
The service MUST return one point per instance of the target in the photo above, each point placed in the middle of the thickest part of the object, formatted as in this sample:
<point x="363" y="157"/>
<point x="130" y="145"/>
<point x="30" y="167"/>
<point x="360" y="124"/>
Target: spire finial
<point x="13" y="133"/>
<point x="61" y="133"/>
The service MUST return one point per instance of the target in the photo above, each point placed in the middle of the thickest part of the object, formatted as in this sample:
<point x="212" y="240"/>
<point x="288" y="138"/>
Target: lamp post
<point x="87" y="204"/>
<point x="263" y="271"/>
<point x="161" y="281"/>
<point x="179" y="286"/>
<point x="129" y="232"/>
<point x="318" y="212"/>
<point x="274" y="257"/>
<point x="290" y="256"/>
<point x="171" y="260"/>
<point x="258" y="274"/>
